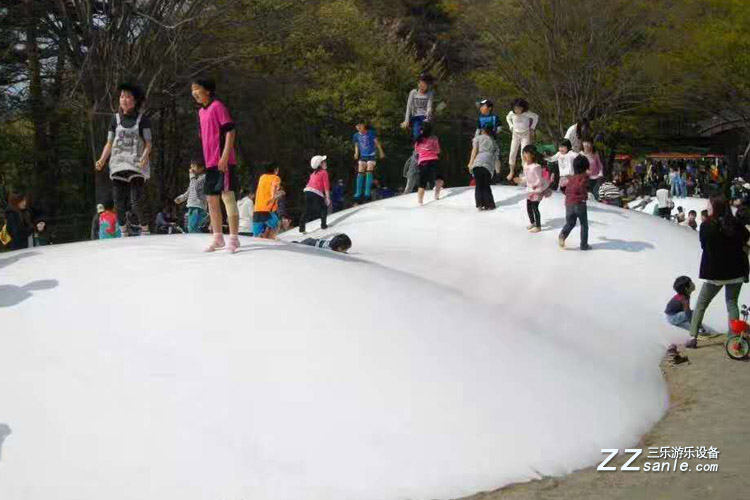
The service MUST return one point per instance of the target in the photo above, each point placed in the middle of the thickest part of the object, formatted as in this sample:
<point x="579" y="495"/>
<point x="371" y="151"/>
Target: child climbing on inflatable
<point x="536" y="185"/>
<point x="336" y="242"/>
<point x="108" y="226"/>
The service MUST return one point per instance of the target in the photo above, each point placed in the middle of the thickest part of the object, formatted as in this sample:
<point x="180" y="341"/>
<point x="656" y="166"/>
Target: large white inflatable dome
<point x="451" y="352"/>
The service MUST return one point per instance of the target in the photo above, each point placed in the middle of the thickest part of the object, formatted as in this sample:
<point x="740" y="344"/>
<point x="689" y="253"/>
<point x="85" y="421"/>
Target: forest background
<point x="298" y="74"/>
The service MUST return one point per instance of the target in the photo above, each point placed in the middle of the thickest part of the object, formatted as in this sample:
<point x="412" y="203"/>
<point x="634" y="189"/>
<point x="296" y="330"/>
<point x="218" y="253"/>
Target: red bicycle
<point x="738" y="341"/>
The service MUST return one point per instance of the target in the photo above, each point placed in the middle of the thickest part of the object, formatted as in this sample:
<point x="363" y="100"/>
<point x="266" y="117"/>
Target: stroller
<point x="738" y="341"/>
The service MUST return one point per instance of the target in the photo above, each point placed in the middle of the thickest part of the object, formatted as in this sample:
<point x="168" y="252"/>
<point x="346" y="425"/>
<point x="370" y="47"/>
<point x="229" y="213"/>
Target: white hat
<point x="316" y="161"/>
<point x="99" y="208"/>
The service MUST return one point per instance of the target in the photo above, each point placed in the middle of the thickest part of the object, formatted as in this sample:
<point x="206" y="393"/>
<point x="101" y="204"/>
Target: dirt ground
<point x="710" y="406"/>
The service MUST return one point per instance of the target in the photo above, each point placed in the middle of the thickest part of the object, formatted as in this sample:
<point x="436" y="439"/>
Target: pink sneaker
<point x="217" y="243"/>
<point x="233" y="245"/>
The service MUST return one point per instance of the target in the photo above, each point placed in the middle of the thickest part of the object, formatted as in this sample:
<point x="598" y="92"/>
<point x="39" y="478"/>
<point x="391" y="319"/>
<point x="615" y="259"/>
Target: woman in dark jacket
<point x="724" y="262"/>
<point x="18" y="221"/>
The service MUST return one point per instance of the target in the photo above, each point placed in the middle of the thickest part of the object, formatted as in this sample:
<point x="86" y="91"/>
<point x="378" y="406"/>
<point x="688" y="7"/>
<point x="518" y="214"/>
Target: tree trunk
<point x="36" y="101"/>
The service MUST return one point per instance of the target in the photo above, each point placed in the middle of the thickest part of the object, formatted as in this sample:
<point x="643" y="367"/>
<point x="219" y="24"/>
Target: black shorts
<point x="215" y="183"/>
<point x="427" y="173"/>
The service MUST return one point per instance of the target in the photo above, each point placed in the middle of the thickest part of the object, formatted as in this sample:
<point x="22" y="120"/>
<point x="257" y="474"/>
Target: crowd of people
<point x="576" y="170"/>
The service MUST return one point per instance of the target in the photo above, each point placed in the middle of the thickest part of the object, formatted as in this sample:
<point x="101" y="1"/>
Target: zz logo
<point x="612" y="452"/>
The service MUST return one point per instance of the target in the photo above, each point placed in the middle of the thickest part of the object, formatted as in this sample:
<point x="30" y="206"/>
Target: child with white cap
<point x="317" y="194"/>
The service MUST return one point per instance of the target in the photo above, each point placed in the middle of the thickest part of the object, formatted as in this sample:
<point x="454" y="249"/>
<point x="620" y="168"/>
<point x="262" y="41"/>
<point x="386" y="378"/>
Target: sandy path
<point x="710" y="406"/>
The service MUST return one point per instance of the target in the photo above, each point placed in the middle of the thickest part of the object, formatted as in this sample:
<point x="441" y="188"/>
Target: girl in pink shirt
<point x="596" y="170"/>
<point x="536" y="186"/>
<point x="317" y="194"/>
<point x="427" y="147"/>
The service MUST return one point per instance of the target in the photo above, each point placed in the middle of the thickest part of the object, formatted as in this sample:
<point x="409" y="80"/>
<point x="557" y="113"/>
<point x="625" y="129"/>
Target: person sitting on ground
<point x="610" y="194"/>
<point x="680" y="217"/>
<point x="691" y="220"/>
<point x="336" y="242"/>
<point x="108" y="225"/>
<point x="679" y="314"/>
<point x="678" y="310"/>
<point x="166" y="223"/>
<point x="642" y="204"/>
<point x="95" y="222"/>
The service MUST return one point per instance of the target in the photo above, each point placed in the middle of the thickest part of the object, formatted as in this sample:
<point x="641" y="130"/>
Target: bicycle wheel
<point x="737" y="347"/>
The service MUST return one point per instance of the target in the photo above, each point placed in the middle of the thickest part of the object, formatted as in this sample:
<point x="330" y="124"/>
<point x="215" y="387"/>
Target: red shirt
<point x="577" y="189"/>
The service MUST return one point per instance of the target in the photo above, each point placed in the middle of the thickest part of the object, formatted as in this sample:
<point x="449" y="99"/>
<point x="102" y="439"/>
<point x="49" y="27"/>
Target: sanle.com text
<point x="668" y="459"/>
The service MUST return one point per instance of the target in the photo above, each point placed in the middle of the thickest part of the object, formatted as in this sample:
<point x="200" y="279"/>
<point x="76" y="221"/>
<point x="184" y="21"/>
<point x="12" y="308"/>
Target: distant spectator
<point x="610" y="194"/>
<point x="680" y="217"/>
<point x="41" y="234"/>
<point x="245" y="205"/>
<point x="337" y="196"/>
<point x="691" y="220"/>
<point x="195" y="196"/>
<point x="166" y="223"/>
<point x="283" y="212"/>
<point x="18" y="222"/>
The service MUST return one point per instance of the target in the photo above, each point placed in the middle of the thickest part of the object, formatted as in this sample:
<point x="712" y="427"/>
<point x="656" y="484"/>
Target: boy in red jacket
<point x="576" y="194"/>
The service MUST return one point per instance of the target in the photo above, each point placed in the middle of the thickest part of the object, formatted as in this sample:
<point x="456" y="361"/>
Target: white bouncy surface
<point x="451" y="352"/>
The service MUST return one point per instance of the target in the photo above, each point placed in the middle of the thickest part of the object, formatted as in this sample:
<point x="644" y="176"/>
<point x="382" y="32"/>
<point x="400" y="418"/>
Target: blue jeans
<point x="416" y="125"/>
<point x="681" y="320"/>
<point x="575" y="213"/>
<point x="196" y="218"/>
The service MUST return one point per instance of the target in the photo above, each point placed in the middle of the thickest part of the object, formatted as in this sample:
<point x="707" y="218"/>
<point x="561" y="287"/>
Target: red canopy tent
<point x="683" y="156"/>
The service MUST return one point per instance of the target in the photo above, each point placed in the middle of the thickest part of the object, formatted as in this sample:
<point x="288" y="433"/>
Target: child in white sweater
<point x="522" y="125"/>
